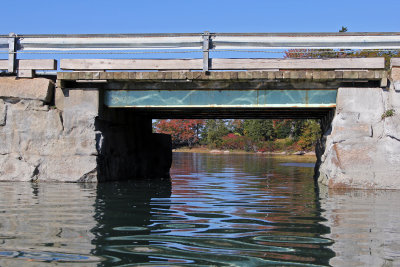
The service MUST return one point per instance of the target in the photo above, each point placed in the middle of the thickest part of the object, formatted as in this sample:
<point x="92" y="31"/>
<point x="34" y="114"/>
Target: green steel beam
<point x="220" y="98"/>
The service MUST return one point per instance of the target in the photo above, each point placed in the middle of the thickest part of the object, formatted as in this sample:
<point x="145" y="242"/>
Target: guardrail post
<point x="206" y="51"/>
<point x="12" y="56"/>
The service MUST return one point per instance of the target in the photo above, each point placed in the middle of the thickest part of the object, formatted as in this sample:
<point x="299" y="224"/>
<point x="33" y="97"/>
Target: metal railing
<point x="13" y="44"/>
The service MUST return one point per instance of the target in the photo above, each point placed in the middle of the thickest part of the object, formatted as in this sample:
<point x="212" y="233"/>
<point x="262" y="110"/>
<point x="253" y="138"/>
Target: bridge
<point x="102" y="107"/>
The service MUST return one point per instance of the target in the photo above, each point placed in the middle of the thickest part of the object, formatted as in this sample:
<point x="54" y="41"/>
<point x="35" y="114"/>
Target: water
<point x="218" y="210"/>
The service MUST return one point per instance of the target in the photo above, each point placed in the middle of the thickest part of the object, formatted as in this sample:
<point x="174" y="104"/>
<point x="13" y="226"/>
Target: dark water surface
<point x="218" y="210"/>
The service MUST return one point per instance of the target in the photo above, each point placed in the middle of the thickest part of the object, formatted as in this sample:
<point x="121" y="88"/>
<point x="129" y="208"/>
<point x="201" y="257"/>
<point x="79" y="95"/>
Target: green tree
<point x="237" y="126"/>
<point x="213" y="132"/>
<point x="283" y="128"/>
<point x="310" y="133"/>
<point x="259" y="130"/>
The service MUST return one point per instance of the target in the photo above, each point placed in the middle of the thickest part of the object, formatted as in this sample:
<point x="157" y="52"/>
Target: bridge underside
<point x="230" y="94"/>
<point x="206" y="103"/>
<point x="233" y="113"/>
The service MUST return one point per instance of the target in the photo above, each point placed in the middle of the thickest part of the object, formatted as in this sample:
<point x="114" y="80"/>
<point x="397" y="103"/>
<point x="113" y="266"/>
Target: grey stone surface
<point x="14" y="167"/>
<point x="59" y="96"/>
<point x="362" y="149"/>
<point x="42" y="143"/>
<point x="39" y="143"/>
<point x="3" y="112"/>
<point x="34" y="89"/>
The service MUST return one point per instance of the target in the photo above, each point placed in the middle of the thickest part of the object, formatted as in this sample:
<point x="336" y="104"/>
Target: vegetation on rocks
<point x="388" y="113"/>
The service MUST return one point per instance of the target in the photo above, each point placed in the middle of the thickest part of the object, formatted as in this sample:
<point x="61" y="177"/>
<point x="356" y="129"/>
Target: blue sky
<point x="151" y="16"/>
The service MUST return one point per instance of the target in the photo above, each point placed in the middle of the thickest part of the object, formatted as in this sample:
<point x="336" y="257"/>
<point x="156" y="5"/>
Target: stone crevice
<point x="11" y="100"/>
<point x="393" y="137"/>
<point x="35" y="173"/>
<point x="61" y="120"/>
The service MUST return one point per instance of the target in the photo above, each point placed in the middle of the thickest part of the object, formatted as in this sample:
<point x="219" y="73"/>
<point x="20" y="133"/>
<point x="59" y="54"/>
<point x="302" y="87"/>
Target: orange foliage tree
<point x="183" y="132"/>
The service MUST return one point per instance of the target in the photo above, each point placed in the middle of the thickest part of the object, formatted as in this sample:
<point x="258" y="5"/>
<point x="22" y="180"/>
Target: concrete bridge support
<point x="361" y="149"/>
<point x="73" y="138"/>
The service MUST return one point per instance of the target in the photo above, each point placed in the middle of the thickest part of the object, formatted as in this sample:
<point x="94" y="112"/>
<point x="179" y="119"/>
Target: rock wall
<point x="71" y="141"/>
<point x="361" y="149"/>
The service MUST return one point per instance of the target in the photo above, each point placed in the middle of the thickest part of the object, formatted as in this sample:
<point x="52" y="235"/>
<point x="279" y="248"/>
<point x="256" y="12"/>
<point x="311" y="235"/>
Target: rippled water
<point x="217" y="210"/>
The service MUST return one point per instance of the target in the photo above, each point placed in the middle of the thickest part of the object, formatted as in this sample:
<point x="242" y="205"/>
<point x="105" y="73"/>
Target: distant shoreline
<point x="218" y="151"/>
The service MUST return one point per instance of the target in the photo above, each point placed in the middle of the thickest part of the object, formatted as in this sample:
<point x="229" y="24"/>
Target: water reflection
<point x="365" y="225"/>
<point x="217" y="210"/>
<point x="252" y="199"/>
<point x="46" y="223"/>
<point x="124" y="209"/>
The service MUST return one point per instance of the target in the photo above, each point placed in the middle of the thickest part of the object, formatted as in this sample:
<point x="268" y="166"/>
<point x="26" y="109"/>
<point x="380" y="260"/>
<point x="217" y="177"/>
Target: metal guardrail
<point x="217" y="41"/>
<point x="204" y="42"/>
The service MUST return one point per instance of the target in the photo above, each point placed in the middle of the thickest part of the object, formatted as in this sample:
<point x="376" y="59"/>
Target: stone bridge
<point x="92" y="121"/>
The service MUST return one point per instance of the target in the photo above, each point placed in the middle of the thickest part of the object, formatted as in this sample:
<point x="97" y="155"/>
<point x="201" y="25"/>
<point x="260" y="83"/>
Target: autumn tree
<point x="183" y="132"/>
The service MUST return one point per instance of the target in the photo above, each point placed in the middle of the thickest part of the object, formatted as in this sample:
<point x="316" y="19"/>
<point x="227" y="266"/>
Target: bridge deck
<point x="238" y="94"/>
<point x="310" y="75"/>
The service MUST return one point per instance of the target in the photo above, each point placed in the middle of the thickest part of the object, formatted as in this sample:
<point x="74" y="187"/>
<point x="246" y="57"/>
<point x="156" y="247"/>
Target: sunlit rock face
<point x="38" y="142"/>
<point x="73" y="141"/>
<point x="362" y="147"/>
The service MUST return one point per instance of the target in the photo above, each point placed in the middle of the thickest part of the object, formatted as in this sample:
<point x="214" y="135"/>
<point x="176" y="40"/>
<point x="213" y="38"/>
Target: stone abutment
<point x="66" y="135"/>
<point x="360" y="148"/>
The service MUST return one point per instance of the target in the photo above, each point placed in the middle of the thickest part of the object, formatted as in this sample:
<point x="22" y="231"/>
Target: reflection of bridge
<point x="117" y="93"/>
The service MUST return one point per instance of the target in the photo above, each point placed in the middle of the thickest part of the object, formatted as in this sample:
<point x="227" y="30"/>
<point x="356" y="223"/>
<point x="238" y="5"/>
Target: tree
<point x="214" y="130"/>
<point x="237" y="126"/>
<point x="310" y="133"/>
<point x="183" y="132"/>
<point x="259" y="130"/>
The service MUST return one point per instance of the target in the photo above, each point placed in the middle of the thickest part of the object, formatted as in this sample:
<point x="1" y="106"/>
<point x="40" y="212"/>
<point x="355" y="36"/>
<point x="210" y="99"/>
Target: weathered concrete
<point x="39" y="142"/>
<point x="362" y="147"/>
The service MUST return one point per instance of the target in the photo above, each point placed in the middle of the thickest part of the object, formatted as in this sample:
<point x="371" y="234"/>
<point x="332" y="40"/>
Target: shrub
<point x="234" y="141"/>
<point x="388" y="113"/>
<point x="310" y="134"/>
